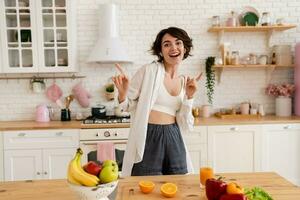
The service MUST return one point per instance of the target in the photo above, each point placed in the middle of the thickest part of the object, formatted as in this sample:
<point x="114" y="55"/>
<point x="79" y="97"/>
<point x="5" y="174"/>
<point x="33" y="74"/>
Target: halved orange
<point x="146" y="186"/>
<point x="168" y="189"/>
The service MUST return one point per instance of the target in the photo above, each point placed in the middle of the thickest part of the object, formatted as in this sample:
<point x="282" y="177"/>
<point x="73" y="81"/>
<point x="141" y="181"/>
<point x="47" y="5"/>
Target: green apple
<point x="107" y="163"/>
<point x="109" y="174"/>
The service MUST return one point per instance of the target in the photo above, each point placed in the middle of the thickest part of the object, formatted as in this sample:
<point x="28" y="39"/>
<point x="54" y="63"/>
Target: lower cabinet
<point x="196" y="142"/>
<point x="1" y="158"/>
<point x="281" y="148"/>
<point x="38" y="154"/>
<point x="234" y="148"/>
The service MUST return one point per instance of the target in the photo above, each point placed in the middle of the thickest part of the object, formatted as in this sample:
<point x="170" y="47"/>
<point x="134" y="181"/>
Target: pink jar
<point x="42" y="113"/>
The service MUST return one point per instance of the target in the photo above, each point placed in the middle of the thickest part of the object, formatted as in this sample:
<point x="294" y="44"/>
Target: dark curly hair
<point x="175" y="32"/>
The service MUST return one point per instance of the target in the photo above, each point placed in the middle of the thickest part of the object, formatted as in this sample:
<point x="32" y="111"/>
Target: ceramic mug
<point x="206" y="111"/>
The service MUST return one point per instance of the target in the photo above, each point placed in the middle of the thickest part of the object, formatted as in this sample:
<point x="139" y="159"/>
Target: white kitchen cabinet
<point x="196" y="142"/>
<point x="38" y="36"/>
<point x="1" y="158"/>
<point x="234" y="148"/>
<point x="38" y="154"/>
<point x="281" y="148"/>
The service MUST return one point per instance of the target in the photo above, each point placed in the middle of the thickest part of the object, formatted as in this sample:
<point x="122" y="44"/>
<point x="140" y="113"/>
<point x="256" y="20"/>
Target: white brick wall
<point x="140" y="21"/>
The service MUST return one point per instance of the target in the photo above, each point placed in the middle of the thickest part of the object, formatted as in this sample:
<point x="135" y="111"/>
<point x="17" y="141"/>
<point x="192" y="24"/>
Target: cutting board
<point x="186" y="190"/>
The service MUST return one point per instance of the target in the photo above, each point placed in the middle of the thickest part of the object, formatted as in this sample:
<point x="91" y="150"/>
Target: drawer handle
<point x="233" y="128"/>
<point x="286" y="127"/>
<point x="59" y="133"/>
<point x="45" y="173"/>
<point x="38" y="173"/>
<point x="21" y="134"/>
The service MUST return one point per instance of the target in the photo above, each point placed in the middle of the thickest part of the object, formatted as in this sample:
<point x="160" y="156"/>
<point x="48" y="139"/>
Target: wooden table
<point x="188" y="188"/>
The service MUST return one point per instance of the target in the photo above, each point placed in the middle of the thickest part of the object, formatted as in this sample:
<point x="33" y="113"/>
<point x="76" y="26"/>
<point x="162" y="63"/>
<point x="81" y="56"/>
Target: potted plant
<point x="110" y="91"/>
<point x="210" y="78"/>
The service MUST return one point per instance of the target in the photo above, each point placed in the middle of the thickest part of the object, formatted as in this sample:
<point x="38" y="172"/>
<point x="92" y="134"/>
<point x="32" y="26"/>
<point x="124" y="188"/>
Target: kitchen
<point x="138" y="22"/>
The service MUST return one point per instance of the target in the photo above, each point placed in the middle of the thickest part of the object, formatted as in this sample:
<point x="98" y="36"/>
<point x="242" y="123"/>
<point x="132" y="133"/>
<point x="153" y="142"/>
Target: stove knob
<point x="116" y="134"/>
<point x="107" y="134"/>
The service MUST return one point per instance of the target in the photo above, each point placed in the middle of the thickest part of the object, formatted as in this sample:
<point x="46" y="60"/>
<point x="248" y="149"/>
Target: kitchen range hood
<point x="109" y="47"/>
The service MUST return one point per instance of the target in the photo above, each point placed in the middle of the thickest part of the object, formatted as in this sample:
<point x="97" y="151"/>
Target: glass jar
<point x="235" y="58"/>
<point x="253" y="59"/>
<point x="266" y="19"/>
<point x="216" y="21"/>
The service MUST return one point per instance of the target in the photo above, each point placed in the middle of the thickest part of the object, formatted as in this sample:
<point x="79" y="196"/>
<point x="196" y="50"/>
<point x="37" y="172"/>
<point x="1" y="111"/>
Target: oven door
<point x="89" y="149"/>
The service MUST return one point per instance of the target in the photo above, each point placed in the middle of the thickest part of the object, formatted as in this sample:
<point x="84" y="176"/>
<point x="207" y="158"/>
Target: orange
<point x="234" y="188"/>
<point x="146" y="186"/>
<point x="168" y="189"/>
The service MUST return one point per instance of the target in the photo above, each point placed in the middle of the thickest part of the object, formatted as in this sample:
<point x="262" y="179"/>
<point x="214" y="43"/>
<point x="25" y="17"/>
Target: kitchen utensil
<point x="42" y="113"/>
<point x="53" y="92"/>
<point x="99" y="111"/>
<point x="69" y="99"/>
<point x="65" y="115"/>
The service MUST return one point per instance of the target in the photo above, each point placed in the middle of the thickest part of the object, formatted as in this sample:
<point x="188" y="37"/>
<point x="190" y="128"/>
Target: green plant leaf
<point x="210" y="78"/>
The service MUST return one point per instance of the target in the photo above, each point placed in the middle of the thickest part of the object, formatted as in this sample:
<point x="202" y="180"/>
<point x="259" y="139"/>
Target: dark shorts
<point x="164" y="152"/>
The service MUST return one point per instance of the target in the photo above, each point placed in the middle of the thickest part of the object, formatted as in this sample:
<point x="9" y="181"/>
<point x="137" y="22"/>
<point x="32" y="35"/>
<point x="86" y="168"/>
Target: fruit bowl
<point x="99" y="192"/>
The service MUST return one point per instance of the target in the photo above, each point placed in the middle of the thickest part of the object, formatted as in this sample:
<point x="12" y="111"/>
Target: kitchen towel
<point x="297" y="79"/>
<point x="105" y="151"/>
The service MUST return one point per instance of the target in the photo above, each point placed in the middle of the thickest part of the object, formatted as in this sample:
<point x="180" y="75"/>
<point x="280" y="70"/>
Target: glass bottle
<point x="216" y="21"/>
<point x="235" y="58"/>
<point x="266" y="19"/>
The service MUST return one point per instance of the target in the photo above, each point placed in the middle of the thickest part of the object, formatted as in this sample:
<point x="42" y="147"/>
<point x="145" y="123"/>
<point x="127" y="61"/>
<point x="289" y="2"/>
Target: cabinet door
<point x="234" y="148"/>
<point x="57" y="36"/>
<point x="1" y="158"/>
<point x="55" y="162"/>
<point x="19" y="46"/>
<point x="196" y="143"/>
<point x="281" y="150"/>
<point x="22" y="165"/>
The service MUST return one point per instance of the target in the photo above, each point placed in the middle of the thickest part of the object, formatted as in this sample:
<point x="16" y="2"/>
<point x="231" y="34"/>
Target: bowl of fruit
<point x="93" y="181"/>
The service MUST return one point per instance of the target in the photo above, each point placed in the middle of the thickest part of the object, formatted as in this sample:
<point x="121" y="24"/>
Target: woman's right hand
<point x="121" y="82"/>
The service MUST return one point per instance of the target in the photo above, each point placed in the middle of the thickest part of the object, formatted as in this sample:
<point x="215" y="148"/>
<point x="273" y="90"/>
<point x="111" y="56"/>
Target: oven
<point x="90" y="137"/>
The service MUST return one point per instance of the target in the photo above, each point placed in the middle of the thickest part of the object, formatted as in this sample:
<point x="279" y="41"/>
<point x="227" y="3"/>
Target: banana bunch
<point x="77" y="175"/>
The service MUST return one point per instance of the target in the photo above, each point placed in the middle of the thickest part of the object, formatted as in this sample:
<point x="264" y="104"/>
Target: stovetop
<point x="107" y="120"/>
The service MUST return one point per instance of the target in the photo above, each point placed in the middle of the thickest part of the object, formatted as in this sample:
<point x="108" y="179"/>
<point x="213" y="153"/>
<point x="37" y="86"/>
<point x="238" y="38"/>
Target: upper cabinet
<point x="38" y="36"/>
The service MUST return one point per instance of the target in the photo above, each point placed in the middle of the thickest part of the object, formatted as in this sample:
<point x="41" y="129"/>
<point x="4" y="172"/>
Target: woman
<point x="160" y="103"/>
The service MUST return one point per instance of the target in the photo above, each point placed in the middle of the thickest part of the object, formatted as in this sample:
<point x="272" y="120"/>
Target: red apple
<point x="92" y="168"/>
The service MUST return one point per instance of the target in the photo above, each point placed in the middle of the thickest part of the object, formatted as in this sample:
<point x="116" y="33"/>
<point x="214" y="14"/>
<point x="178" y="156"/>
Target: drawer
<point x="37" y="139"/>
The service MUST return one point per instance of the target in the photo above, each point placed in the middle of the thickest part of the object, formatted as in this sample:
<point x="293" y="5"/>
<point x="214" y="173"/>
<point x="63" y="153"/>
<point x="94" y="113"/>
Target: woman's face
<point x="172" y="49"/>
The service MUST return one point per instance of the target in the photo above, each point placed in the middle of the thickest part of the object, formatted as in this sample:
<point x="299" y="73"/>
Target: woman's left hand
<point x="191" y="86"/>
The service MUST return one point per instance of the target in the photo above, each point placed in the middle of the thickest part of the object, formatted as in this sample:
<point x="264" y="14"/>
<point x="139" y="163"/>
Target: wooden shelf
<point x="251" y="28"/>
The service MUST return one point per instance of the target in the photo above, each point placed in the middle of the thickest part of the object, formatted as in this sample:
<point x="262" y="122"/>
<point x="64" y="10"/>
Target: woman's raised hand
<point x="121" y="82"/>
<point x="191" y="86"/>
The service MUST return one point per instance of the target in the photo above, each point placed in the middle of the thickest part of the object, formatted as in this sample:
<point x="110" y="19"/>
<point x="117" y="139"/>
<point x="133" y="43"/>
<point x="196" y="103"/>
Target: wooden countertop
<point x="33" y="125"/>
<point x="269" y="119"/>
<point x="188" y="187"/>
<point x="212" y="121"/>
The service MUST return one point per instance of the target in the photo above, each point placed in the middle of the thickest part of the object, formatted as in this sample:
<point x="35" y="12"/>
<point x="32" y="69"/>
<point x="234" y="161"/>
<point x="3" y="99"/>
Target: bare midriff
<point x="157" y="117"/>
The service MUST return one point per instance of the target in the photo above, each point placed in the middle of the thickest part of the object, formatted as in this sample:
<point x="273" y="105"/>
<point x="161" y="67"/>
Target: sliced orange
<point x="168" y="189"/>
<point x="146" y="186"/>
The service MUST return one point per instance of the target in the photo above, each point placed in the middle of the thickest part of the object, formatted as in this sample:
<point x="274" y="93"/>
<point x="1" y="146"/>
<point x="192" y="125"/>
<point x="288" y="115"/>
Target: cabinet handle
<point x="233" y="128"/>
<point x="59" y="133"/>
<point x="286" y="127"/>
<point x="38" y="173"/>
<point x="45" y="173"/>
<point x="21" y="134"/>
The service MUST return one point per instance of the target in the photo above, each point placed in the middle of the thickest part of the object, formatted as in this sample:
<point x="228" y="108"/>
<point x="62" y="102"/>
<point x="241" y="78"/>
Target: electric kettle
<point x="42" y="113"/>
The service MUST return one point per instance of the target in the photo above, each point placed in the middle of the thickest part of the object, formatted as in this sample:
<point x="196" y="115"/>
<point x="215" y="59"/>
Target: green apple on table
<point x="109" y="172"/>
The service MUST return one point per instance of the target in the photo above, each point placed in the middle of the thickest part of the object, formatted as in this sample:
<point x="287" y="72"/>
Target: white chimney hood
<point x="109" y="47"/>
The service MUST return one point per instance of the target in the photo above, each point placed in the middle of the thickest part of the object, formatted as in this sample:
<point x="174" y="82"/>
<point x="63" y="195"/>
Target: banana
<point x="70" y="177"/>
<point x="76" y="172"/>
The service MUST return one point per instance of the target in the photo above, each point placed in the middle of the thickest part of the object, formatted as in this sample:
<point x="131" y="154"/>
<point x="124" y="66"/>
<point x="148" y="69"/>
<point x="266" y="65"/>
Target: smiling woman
<point x="160" y="102"/>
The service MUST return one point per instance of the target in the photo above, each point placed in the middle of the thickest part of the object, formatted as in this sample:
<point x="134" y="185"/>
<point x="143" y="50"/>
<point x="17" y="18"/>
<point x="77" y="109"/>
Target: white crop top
<point x="167" y="103"/>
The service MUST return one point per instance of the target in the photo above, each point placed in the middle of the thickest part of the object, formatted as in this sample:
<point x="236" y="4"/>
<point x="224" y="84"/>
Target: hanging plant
<point x="210" y="78"/>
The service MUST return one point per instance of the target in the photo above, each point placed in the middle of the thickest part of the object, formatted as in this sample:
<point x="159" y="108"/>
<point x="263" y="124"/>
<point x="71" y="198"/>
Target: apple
<point x="109" y="163"/>
<point x="92" y="167"/>
<point x="109" y="174"/>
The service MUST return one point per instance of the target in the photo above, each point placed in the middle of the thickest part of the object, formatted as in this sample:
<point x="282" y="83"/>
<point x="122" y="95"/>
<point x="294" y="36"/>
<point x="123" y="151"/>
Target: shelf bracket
<point x="221" y="37"/>
<point x="219" y="72"/>
<point x="269" y="71"/>
<point x="269" y="37"/>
